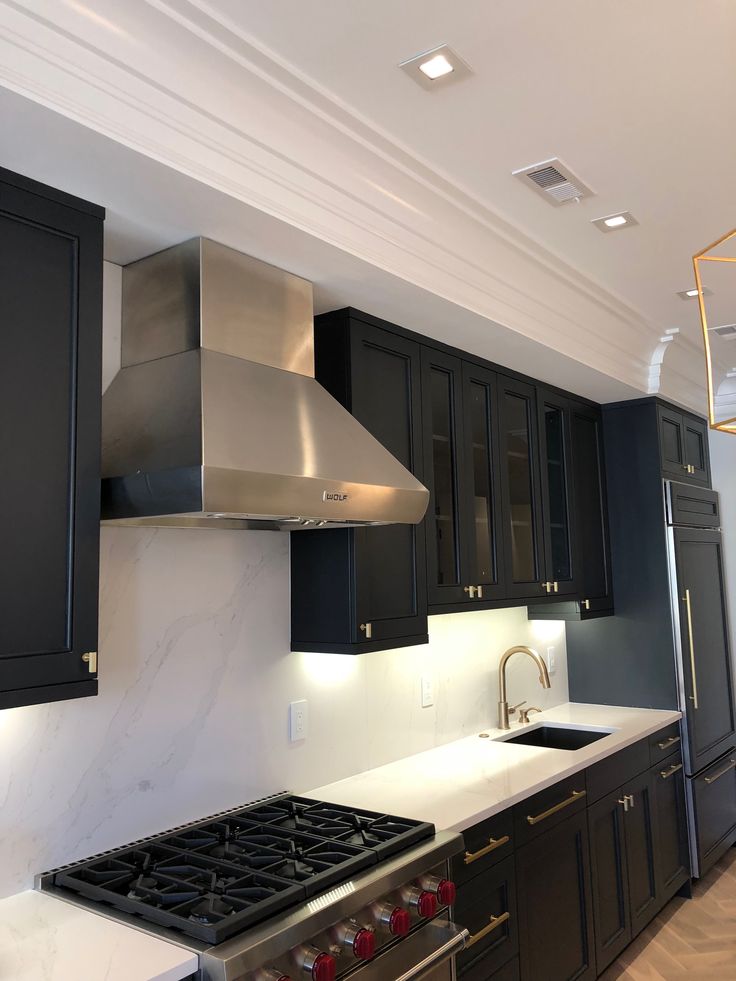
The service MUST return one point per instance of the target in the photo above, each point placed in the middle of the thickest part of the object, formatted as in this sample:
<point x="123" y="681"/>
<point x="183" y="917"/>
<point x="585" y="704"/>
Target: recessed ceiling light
<point x="434" y="68"/>
<point x="692" y="293"/>
<point x="610" y="223"/>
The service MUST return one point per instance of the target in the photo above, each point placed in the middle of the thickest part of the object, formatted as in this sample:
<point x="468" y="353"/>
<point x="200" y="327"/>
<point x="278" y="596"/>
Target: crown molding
<point x="250" y="125"/>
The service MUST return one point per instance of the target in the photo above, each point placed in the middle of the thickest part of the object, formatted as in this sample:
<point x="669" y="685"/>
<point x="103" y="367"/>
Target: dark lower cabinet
<point x="486" y="906"/>
<point x="364" y="589"/>
<point x="672" y="856"/>
<point x="595" y="857"/>
<point x="713" y="801"/>
<point x="610" y="879"/>
<point x="50" y="394"/>
<point x="555" y="907"/>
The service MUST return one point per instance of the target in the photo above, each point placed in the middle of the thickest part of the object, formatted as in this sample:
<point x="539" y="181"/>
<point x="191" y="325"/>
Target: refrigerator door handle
<point x="689" y="610"/>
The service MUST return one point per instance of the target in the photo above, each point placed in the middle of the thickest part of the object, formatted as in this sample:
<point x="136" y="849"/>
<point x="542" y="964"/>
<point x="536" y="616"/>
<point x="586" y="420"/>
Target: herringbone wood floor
<point x="691" y="938"/>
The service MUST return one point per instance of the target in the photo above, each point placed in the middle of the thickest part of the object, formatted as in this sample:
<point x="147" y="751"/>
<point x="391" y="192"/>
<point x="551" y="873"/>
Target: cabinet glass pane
<point x="559" y="526"/>
<point x="695" y="449"/>
<point x="484" y="544"/>
<point x="519" y="476"/>
<point x="443" y="462"/>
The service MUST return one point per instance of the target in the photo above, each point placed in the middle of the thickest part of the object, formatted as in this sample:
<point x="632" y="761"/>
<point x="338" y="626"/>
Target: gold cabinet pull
<point x="470" y="590"/>
<point x="625" y="802"/>
<point x="575" y="795"/>
<point x="689" y="609"/>
<point x="585" y="603"/>
<point x="721" y="773"/>
<point x="479" y="592"/>
<point x="546" y="586"/>
<point x="556" y="586"/>
<point x="493" y="844"/>
<point x="367" y="629"/>
<point x="666" y="774"/>
<point x="90" y="659"/>
<point x="666" y="743"/>
<point x="631" y="801"/>
<point x="496" y="922"/>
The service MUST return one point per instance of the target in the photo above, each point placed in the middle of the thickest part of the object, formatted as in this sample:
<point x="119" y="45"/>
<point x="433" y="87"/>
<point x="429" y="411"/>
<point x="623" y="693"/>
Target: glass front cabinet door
<point x="555" y="476"/>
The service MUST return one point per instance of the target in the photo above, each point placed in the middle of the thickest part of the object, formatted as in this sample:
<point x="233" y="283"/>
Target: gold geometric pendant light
<point x="717" y="252"/>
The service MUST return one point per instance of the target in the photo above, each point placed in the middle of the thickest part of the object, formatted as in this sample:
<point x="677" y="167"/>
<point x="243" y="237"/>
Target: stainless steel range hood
<point x="215" y="418"/>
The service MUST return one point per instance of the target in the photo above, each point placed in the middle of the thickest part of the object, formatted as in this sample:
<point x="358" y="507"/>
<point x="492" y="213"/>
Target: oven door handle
<point x="443" y="953"/>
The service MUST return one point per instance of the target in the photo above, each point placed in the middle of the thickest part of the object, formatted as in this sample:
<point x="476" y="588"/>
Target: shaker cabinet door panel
<point x="640" y="851"/>
<point x="50" y="391"/>
<point x="672" y="866"/>
<point x="520" y="488"/>
<point x="556" y="482"/>
<point x="610" y="878"/>
<point x="704" y="638"/>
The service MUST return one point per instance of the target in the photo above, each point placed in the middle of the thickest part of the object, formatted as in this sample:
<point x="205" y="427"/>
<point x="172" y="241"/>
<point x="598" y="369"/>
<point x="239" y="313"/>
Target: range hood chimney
<point x="215" y="418"/>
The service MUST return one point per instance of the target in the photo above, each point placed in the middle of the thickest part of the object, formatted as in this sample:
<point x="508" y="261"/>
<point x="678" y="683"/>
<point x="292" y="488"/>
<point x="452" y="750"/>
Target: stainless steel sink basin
<point x="555" y="737"/>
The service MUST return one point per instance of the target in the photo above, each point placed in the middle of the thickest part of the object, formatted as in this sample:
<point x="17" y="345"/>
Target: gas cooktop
<point x="214" y="879"/>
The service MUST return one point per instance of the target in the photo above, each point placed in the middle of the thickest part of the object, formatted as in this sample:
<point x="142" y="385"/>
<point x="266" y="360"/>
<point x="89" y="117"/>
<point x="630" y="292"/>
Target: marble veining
<point x="195" y="681"/>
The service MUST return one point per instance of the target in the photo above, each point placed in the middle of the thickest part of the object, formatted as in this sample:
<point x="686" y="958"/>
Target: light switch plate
<point x="551" y="663"/>
<point x="298" y="721"/>
<point x="427" y="692"/>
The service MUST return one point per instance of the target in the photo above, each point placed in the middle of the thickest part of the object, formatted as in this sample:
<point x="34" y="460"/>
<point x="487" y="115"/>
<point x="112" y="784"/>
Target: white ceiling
<point x="636" y="97"/>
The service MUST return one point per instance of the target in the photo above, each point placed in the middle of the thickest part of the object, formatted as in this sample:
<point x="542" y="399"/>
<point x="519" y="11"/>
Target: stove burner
<point x="216" y="879"/>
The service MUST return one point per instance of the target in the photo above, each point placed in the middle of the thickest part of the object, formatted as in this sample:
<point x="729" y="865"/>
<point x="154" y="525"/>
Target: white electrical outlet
<point x="551" y="665"/>
<point x="298" y="721"/>
<point x="427" y="692"/>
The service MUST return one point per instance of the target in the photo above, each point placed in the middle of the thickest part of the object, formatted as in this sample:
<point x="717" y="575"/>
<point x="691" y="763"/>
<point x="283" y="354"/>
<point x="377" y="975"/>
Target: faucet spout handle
<point x="515" y="708"/>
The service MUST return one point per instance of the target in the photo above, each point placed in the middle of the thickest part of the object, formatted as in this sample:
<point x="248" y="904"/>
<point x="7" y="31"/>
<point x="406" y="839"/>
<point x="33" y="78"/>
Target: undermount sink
<point x="555" y="737"/>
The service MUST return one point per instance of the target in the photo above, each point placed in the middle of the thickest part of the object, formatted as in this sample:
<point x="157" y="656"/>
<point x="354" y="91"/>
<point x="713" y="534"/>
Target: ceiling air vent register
<point x="555" y="182"/>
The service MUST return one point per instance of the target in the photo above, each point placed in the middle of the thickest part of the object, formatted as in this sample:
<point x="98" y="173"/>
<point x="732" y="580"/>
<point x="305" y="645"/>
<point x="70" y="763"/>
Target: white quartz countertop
<point x="43" y="938"/>
<point x="456" y="785"/>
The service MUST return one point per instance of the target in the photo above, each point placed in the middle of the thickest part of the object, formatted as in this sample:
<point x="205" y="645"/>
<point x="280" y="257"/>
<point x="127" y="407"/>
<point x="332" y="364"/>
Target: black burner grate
<point x="216" y="879"/>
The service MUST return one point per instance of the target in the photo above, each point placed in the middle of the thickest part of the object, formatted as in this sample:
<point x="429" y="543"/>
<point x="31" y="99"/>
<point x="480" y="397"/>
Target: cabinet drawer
<point x="664" y="743"/>
<point x="486" y="906"/>
<point x="535" y="816"/>
<point x="604" y="777"/>
<point x="486" y="843"/>
<point x="714" y="801"/>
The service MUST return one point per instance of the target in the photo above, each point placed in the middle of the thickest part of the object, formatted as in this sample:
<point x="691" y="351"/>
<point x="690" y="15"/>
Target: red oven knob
<point x="426" y="904"/>
<point x="399" y="922"/>
<point x="444" y="889"/>
<point x="317" y="965"/>
<point x="364" y="944"/>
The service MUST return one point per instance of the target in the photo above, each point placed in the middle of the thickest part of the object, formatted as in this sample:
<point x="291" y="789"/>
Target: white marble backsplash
<point x="195" y="681"/>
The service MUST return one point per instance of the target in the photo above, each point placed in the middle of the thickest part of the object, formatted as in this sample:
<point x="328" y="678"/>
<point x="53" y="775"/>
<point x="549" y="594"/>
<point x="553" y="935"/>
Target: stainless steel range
<point x="286" y="888"/>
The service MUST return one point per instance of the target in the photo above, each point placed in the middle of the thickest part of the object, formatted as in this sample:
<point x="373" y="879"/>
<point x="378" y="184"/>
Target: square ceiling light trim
<point x="436" y="68"/>
<point x="692" y="293"/>
<point x="614" y="222"/>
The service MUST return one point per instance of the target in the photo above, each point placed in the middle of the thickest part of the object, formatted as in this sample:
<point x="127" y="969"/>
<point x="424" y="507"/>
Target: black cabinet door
<point x="590" y="509"/>
<point x="520" y="489"/>
<point x="640" y="851"/>
<point x="482" y="500"/>
<point x="609" y="876"/>
<point x="672" y="858"/>
<point x="704" y="643"/>
<point x="390" y="563"/>
<point x="486" y="906"/>
<point x="560" y="552"/>
<point x="672" y="442"/>
<point x="447" y="533"/>
<point x="554" y="904"/>
<point x="713" y="798"/>
<point x="697" y="457"/>
<point x="50" y="392"/>
<point x="364" y="589"/>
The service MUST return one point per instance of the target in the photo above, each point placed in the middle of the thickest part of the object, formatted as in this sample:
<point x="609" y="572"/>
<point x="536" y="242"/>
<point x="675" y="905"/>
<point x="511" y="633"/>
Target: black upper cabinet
<point x="683" y="445"/>
<point x="50" y="393"/>
<point x="561" y="555"/>
<point x="364" y="589"/>
<point x="464" y="549"/>
<point x="520" y="489"/>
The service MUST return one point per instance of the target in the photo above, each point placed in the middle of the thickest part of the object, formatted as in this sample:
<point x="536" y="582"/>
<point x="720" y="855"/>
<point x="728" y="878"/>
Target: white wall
<point x="195" y="681"/>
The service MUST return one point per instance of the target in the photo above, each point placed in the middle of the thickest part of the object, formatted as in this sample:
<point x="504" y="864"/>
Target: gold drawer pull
<point x="664" y="774"/>
<point x="496" y="922"/>
<point x="666" y="743"/>
<point x="493" y="844"/>
<point x="721" y="773"/>
<point x="576" y="795"/>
